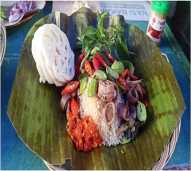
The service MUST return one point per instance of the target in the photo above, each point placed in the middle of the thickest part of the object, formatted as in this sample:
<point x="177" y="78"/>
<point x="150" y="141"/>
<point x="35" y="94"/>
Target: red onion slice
<point x="132" y="96"/>
<point x="123" y="111"/>
<point x="133" y="82"/>
<point x="132" y="111"/>
<point x="139" y="90"/>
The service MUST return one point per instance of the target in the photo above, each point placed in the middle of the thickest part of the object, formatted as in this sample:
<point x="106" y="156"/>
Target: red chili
<point x="110" y="57"/>
<point x="70" y="87"/>
<point x="88" y="68"/>
<point x="123" y="83"/>
<point x="125" y="73"/>
<point x="96" y="63"/>
<point x="101" y="60"/>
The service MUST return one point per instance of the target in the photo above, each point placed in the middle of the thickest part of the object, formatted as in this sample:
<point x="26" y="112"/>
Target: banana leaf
<point x="36" y="115"/>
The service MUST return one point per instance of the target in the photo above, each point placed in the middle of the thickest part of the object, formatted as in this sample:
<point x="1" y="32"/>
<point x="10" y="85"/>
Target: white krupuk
<point x="53" y="55"/>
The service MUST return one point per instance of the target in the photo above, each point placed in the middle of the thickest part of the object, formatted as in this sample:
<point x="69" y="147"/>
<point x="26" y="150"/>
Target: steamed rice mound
<point x="93" y="106"/>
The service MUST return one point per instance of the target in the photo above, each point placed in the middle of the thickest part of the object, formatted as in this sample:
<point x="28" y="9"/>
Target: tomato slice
<point x="125" y="73"/>
<point x="70" y="87"/>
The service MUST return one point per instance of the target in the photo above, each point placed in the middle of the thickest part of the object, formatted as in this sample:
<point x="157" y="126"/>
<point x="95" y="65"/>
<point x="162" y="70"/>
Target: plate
<point x="36" y="115"/>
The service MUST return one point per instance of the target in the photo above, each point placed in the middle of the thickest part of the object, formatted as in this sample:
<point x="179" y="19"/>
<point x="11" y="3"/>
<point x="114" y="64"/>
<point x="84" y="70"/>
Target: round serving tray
<point x="36" y="115"/>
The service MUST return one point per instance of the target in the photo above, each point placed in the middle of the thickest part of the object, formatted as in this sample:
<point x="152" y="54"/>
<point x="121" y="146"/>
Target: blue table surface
<point x="15" y="155"/>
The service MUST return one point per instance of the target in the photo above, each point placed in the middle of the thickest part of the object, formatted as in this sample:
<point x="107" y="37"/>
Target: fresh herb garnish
<point x="111" y="39"/>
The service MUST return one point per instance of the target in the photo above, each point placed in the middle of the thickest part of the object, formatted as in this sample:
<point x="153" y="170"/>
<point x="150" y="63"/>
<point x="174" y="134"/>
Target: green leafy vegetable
<point x="100" y="26"/>
<point x="99" y="74"/>
<point x="141" y="112"/>
<point x="112" y="73"/>
<point x="129" y="65"/>
<point x="117" y="40"/>
<point x="88" y="38"/>
<point x="118" y="67"/>
<point x="111" y="39"/>
<point x="92" y="87"/>
<point x="83" y="84"/>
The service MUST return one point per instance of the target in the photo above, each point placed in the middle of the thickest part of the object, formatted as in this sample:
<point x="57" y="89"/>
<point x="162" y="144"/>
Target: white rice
<point x="90" y="106"/>
<point x="108" y="132"/>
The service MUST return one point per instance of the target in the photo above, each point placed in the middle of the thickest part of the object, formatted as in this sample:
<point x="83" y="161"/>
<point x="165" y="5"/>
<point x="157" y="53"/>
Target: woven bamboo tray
<point x="41" y="125"/>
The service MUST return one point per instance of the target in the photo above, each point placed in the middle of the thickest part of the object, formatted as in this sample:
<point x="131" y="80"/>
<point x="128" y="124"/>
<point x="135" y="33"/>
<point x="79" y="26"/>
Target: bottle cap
<point x="160" y="7"/>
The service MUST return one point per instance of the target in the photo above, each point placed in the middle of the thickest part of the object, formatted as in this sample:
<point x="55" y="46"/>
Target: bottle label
<point x="154" y="33"/>
<point x="155" y="27"/>
<point x="157" y="23"/>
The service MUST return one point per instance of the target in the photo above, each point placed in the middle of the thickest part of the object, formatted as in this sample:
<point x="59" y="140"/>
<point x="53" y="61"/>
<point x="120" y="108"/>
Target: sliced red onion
<point x="132" y="96"/>
<point x="122" y="110"/>
<point x="133" y="82"/>
<point x="128" y="78"/>
<point x="132" y="111"/>
<point x="139" y="90"/>
<point x="64" y="101"/>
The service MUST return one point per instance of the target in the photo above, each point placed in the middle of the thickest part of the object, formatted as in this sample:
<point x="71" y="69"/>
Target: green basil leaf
<point x="141" y="112"/>
<point x="118" y="67"/>
<point x="92" y="87"/>
<point x="83" y="84"/>
<point x="99" y="74"/>
<point x="100" y="25"/>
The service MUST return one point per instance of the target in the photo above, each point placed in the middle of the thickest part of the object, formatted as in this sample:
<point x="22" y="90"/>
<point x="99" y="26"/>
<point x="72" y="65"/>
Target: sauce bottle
<point x="157" y="21"/>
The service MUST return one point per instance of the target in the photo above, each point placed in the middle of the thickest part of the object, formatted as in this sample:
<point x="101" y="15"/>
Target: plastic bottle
<point x="157" y="21"/>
